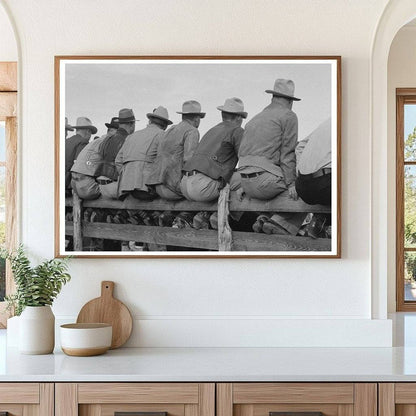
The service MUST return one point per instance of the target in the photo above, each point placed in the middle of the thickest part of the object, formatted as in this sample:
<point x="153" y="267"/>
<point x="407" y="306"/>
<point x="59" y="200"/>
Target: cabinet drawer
<point x="296" y="399"/>
<point x="21" y="399"/>
<point x="107" y="399"/>
<point x="397" y="399"/>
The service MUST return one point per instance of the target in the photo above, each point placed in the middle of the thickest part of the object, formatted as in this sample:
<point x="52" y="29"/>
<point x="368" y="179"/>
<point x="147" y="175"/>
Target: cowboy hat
<point x="67" y="125"/>
<point x="160" y="113"/>
<point x="233" y="105"/>
<point x="85" y="123"/>
<point x="191" y="107"/>
<point x="113" y="124"/>
<point x="284" y="88"/>
<point x="126" y="115"/>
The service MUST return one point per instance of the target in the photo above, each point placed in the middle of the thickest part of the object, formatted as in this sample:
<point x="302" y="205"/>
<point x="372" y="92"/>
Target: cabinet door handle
<point x="138" y="414"/>
<point x="296" y="414"/>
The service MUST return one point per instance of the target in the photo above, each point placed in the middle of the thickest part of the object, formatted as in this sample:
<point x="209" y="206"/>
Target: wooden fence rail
<point x="222" y="240"/>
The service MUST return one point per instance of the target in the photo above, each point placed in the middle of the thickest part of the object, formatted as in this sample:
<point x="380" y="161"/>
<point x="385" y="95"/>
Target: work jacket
<point x="269" y="142"/>
<point x="109" y="149"/>
<point x="136" y="157"/>
<point x="175" y="148"/>
<point x="89" y="160"/>
<point x="73" y="147"/>
<point x="217" y="153"/>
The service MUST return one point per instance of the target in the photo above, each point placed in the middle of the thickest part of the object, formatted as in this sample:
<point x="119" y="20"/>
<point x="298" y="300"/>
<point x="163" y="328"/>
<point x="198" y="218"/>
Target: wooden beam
<point x="281" y="203"/>
<point x="8" y="77"/>
<point x="204" y="239"/>
<point x="77" y="216"/>
<point x="224" y="229"/>
<point x="8" y="105"/>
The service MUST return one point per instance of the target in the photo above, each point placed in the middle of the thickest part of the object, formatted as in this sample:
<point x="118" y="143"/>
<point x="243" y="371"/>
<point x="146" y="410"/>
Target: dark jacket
<point x="217" y="153"/>
<point x="73" y="147"/>
<point x="109" y="149"/>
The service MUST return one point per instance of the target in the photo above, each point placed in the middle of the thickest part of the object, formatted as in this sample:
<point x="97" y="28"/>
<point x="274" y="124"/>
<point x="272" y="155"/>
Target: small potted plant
<point x="36" y="289"/>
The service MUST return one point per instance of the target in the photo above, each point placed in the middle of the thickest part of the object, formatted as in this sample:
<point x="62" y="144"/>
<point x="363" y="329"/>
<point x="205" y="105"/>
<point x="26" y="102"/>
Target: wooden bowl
<point x="84" y="340"/>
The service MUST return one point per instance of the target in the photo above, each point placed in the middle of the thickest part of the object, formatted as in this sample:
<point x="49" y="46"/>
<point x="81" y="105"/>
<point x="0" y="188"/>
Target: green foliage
<point x="2" y="234"/>
<point x="35" y="286"/>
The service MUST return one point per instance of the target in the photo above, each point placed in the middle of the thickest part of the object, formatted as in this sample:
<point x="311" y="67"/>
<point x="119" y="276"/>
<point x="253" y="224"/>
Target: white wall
<point x="179" y="302"/>
<point x="8" y="47"/>
<point x="401" y="74"/>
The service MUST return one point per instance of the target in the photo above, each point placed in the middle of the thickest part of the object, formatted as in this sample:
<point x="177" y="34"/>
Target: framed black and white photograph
<point x="198" y="156"/>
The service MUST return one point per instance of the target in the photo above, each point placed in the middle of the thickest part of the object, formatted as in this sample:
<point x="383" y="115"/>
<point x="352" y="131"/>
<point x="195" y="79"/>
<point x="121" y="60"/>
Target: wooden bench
<point x="222" y="240"/>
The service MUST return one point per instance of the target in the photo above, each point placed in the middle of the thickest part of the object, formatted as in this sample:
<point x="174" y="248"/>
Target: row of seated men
<point x="260" y="161"/>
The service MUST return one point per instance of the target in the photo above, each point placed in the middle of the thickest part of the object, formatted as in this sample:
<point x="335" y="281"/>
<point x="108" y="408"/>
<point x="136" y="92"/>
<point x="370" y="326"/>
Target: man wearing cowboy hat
<point x="88" y="164"/>
<point x="136" y="156"/>
<point x="112" y="128"/>
<point x="216" y="156"/>
<point x="68" y="127"/>
<point x="73" y="146"/>
<point x="176" y="147"/>
<point x="109" y="149"/>
<point x="267" y="161"/>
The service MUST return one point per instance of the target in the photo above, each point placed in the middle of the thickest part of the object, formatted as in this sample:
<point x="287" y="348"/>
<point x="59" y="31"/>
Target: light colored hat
<point x="284" y="88"/>
<point x="233" y="105"/>
<point x="85" y="123"/>
<point x="191" y="107"/>
<point x="126" y="115"/>
<point x="160" y="113"/>
<point x="67" y="125"/>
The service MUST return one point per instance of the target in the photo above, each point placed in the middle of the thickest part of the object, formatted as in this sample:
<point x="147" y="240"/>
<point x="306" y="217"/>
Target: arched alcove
<point x="396" y="14"/>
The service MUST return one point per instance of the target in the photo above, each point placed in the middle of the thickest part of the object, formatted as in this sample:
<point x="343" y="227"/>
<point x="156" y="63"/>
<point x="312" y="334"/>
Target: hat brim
<point x="69" y="128"/>
<point x="111" y="126"/>
<point x="92" y="128"/>
<point x="151" y="115"/>
<point x="282" y="95"/>
<point x="240" y="113"/>
<point x="202" y="115"/>
<point x="126" y="120"/>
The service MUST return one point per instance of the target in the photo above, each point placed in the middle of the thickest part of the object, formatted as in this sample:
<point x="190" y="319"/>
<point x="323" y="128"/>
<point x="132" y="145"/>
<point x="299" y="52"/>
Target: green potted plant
<point x="36" y="289"/>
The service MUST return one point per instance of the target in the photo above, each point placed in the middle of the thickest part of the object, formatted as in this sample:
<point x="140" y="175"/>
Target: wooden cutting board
<point x="107" y="309"/>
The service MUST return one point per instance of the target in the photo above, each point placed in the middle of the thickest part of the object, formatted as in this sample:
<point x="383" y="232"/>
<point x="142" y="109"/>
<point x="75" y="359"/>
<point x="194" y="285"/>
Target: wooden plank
<point x="47" y="399"/>
<point x="204" y="239"/>
<point x="31" y="410"/>
<point x="252" y="393"/>
<point x="190" y="410"/>
<point x="66" y="399"/>
<point x="77" y="216"/>
<point x="8" y="76"/>
<point x="345" y="410"/>
<point x="27" y="393"/>
<point x="138" y="393"/>
<point x="207" y="399"/>
<point x="405" y="393"/>
<point x="282" y="203"/>
<point x="186" y="237"/>
<point x="365" y="403"/>
<point x="8" y="105"/>
<point x="224" y="399"/>
<point x="224" y="229"/>
<point x="243" y="241"/>
<point x="386" y="400"/>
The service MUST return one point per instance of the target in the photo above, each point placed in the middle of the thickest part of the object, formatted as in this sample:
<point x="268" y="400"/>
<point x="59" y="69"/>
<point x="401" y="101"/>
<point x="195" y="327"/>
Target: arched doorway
<point x="396" y="14"/>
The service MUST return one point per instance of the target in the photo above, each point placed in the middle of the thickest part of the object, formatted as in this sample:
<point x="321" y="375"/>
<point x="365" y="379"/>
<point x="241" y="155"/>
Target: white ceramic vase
<point x="37" y="330"/>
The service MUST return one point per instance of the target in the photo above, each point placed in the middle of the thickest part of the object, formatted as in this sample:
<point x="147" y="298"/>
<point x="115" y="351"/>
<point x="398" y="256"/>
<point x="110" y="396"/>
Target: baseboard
<point x="258" y="332"/>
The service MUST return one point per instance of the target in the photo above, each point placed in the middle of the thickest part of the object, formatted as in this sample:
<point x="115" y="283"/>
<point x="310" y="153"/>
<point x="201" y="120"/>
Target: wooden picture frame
<point x="97" y="87"/>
